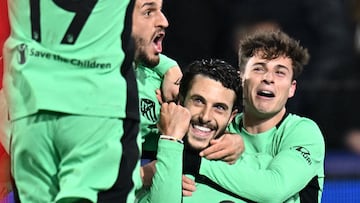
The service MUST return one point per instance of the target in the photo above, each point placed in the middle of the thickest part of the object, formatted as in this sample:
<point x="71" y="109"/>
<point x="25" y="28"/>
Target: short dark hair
<point x="215" y="69"/>
<point x="273" y="44"/>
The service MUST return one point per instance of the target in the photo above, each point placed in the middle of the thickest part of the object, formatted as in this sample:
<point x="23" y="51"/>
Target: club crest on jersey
<point x="304" y="152"/>
<point x="147" y="108"/>
<point x="22" y="50"/>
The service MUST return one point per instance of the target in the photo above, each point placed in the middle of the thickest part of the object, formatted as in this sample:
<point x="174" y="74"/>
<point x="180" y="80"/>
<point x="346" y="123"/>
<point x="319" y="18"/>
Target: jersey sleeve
<point x="167" y="181"/>
<point x="164" y="65"/>
<point x="299" y="158"/>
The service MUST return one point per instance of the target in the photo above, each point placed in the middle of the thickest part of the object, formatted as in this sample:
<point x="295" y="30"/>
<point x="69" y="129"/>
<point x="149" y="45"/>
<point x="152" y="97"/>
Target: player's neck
<point x="255" y="124"/>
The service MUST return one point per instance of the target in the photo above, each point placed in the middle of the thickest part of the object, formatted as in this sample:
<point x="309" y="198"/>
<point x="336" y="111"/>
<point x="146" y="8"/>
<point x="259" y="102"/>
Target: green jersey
<point x="283" y="164"/>
<point x="167" y="182"/>
<point x="149" y="80"/>
<point x="71" y="57"/>
<point x="70" y="84"/>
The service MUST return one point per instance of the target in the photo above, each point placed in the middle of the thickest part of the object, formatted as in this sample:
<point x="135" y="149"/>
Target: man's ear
<point x="292" y="89"/>
<point x="232" y="116"/>
<point x="241" y="75"/>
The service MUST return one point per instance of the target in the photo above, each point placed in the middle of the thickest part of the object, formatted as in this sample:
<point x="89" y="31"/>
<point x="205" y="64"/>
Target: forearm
<point x="167" y="181"/>
<point x="283" y="177"/>
<point x="165" y="65"/>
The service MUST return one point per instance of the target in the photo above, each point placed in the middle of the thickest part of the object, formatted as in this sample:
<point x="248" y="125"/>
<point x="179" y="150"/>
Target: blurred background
<point x="328" y="90"/>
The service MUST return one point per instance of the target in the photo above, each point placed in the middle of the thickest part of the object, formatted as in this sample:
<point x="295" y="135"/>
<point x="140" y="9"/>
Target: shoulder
<point x="296" y="120"/>
<point x="300" y="127"/>
<point x="165" y="64"/>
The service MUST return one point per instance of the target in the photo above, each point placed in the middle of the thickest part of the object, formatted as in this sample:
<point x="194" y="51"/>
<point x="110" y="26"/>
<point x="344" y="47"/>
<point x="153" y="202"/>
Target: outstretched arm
<point x="275" y="176"/>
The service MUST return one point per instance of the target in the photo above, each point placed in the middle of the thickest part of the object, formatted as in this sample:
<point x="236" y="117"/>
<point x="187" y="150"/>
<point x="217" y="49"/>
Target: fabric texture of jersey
<point x="284" y="160"/>
<point x="167" y="182"/>
<point x="62" y="57"/>
<point x="149" y="80"/>
<point x="71" y="167"/>
<point x="73" y="94"/>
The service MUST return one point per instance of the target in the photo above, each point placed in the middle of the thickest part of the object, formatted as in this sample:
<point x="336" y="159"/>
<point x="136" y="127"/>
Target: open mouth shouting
<point x="157" y="41"/>
<point x="265" y="93"/>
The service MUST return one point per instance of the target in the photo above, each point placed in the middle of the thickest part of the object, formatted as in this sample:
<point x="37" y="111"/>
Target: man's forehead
<point x="150" y="3"/>
<point x="207" y="84"/>
<point x="261" y="58"/>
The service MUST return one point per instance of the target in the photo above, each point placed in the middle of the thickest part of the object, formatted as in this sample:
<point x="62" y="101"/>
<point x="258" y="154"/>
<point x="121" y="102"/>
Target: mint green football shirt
<point x="149" y="80"/>
<point x="283" y="164"/>
<point x="60" y="58"/>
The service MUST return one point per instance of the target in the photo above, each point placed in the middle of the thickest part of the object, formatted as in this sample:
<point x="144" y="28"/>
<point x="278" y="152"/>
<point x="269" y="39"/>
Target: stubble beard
<point x="141" y="56"/>
<point x="146" y="61"/>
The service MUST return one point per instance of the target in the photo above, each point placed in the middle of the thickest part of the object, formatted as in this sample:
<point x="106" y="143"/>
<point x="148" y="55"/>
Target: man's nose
<point x="268" y="77"/>
<point x="205" y="115"/>
<point x="162" y="21"/>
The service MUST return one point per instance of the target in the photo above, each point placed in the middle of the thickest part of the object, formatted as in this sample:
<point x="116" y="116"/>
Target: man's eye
<point x="221" y="108"/>
<point x="197" y="101"/>
<point x="281" y="73"/>
<point x="147" y="13"/>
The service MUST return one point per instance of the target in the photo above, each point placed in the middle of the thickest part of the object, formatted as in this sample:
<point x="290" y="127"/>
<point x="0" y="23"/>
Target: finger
<point x="214" y="141"/>
<point x="186" y="193"/>
<point x="188" y="180"/>
<point x="188" y="184"/>
<point x="212" y="149"/>
<point x="217" y="155"/>
<point x="230" y="159"/>
<point x="159" y="96"/>
<point x="189" y="187"/>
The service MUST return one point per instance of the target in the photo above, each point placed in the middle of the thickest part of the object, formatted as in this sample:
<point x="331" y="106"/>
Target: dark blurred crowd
<point x="328" y="91"/>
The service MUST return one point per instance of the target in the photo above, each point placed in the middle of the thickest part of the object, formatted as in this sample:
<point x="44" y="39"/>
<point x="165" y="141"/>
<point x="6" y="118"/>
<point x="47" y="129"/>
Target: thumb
<point x="214" y="141"/>
<point x="159" y="96"/>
